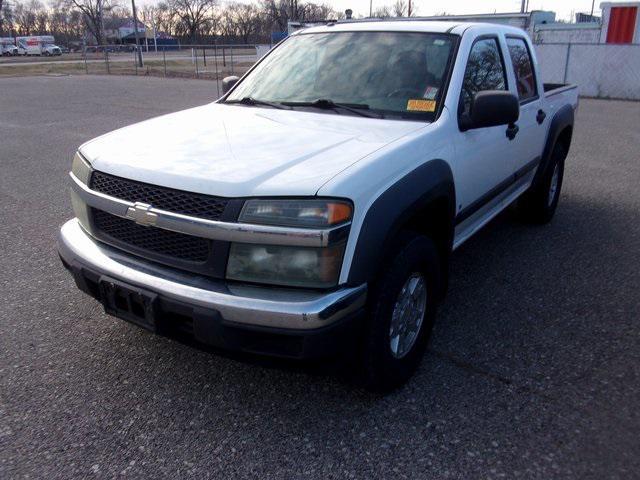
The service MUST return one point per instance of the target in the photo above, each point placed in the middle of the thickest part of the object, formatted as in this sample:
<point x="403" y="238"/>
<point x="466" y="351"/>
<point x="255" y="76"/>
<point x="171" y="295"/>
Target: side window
<point x="523" y="68"/>
<point x="485" y="71"/>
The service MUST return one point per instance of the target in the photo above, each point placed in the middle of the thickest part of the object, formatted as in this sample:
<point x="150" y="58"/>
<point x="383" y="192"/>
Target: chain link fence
<point x="599" y="70"/>
<point x="212" y="62"/>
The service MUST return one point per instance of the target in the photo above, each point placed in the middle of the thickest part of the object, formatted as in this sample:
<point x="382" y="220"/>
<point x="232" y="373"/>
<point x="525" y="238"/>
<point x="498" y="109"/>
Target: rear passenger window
<point x="485" y="71"/>
<point x="525" y="80"/>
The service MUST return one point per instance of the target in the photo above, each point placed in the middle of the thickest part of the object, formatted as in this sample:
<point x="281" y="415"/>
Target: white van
<point x="37" y="45"/>
<point x="7" y="47"/>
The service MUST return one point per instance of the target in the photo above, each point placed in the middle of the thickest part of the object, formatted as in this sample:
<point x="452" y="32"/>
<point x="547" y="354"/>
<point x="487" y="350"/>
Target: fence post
<point x="224" y="60"/>
<point x="566" y="64"/>
<point x="84" y="54"/>
<point x="106" y="60"/>
<point x="231" y="59"/>
<point x="135" y="59"/>
<point x="204" y="57"/>
<point x="195" y="51"/>
<point x="164" y="60"/>
<point x="215" y="61"/>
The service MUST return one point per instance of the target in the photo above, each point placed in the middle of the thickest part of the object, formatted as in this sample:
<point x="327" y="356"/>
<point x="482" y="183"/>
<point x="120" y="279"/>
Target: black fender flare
<point x="562" y="119"/>
<point x="430" y="182"/>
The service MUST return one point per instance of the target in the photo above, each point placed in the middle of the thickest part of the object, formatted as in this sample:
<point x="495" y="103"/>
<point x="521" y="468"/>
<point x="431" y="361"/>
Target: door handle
<point x="512" y="130"/>
<point x="540" y="116"/>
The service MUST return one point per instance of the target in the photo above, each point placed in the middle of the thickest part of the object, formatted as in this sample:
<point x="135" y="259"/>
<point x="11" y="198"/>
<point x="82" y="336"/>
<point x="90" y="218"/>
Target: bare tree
<point x="193" y="14"/>
<point x="313" y="12"/>
<point x="93" y="14"/>
<point x="383" y="12"/>
<point x="400" y="8"/>
<point x="26" y="17"/>
<point x="6" y="17"/>
<point x="164" y="17"/>
<point x="277" y="13"/>
<point x="241" y="20"/>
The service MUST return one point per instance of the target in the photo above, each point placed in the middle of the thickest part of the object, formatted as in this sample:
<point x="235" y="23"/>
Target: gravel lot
<point x="533" y="369"/>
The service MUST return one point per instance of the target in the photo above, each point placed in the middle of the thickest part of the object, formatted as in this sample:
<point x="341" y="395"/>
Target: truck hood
<point x="239" y="151"/>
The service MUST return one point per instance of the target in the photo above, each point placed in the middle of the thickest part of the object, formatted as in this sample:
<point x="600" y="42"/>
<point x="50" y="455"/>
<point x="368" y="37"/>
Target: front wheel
<point x="402" y="308"/>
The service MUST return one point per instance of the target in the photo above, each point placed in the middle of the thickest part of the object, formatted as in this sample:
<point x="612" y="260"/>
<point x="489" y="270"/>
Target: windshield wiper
<point x="255" y="101"/>
<point x="326" y="104"/>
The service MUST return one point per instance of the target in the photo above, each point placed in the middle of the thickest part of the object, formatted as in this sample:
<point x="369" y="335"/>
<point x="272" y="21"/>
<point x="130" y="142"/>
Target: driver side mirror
<point x="491" y="108"/>
<point x="228" y="83"/>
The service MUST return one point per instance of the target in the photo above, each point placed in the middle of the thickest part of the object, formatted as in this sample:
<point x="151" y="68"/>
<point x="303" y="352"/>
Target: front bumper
<point x="266" y="320"/>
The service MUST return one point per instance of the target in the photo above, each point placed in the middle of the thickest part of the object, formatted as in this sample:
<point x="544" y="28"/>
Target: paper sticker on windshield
<point x="430" y="93"/>
<point x="421" y="105"/>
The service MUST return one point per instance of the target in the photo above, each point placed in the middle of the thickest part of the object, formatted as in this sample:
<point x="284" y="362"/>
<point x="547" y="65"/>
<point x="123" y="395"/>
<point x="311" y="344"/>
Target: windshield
<point x="398" y="74"/>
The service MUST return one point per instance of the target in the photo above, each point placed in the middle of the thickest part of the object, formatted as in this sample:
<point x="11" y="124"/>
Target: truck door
<point x="484" y="156"/>
<point x="524" y="84"/>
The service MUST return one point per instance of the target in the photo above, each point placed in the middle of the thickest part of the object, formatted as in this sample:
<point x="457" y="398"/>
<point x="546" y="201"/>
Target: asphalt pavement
<point x="533" y="370"/>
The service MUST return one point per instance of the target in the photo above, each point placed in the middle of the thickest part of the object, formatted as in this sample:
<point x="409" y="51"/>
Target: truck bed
<point x="554" y="88"/>
<point x="558" y="94"/>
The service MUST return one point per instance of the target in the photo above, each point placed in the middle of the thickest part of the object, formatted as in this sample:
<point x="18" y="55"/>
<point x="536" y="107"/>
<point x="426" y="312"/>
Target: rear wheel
<point x="402" y="308"/>
<point x="539" y="203"/>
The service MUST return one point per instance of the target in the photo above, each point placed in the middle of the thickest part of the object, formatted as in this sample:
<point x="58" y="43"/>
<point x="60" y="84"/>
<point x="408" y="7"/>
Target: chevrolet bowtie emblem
<point x="141" y="214"/>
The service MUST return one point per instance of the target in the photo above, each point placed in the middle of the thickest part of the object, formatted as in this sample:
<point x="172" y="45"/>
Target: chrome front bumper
<point x="277" y="308"/>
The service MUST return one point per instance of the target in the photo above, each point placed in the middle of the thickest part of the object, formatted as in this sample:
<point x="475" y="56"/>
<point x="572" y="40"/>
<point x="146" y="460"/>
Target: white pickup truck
<point x="314" y="207"/>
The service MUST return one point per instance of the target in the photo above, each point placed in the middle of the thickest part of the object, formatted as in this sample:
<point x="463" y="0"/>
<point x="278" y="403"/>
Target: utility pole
<point x="522" y="6"/>
<point x="100" y="24"/>
<point x="135" y="29"/>
<point x="155" y="35"/>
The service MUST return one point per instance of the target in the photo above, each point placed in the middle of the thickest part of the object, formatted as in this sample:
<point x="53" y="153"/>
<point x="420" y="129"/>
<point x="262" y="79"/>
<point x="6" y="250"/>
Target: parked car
<point x="315" y="206"/>
<point x="7" y="46"/>
<point x="9" y="50"/>
<point x="64" y="50"/>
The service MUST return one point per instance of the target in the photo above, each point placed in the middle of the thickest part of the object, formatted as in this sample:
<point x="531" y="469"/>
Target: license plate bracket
<point x="129" y="303"/>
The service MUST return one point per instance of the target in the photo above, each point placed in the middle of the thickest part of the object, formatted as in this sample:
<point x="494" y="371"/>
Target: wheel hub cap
<point x="408" y="314"/>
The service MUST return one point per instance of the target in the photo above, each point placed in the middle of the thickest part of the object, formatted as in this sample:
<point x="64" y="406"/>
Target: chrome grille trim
<point x="213" y="229"/>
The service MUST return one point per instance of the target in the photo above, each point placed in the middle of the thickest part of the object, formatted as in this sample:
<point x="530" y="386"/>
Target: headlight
<point x="81" y="169"/>
<point x="311" y="213"/>
<point x="286" y="265"/>
<point x="290" y="266"/>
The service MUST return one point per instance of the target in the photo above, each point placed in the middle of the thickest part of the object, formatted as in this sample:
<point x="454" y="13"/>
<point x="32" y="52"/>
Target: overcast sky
<point x="563" y="8"/>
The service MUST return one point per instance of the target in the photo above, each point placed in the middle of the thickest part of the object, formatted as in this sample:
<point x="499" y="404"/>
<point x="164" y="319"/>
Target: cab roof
<point x="405" y="25"/>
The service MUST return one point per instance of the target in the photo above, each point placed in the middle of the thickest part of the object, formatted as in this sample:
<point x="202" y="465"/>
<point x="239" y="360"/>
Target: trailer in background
<point x="37" y="45"/>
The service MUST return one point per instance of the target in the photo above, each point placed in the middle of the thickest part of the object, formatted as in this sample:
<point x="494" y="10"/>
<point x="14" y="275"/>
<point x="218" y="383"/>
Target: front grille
<point x="163" y="198"/>
<point x="156" y="240"/>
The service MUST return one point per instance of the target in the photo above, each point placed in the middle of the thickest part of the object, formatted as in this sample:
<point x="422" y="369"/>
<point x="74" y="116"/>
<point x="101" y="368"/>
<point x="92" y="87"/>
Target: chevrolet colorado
<point x="315" y="205"/>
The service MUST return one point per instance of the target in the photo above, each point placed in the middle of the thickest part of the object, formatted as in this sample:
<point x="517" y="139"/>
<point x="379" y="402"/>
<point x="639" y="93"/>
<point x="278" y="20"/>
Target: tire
<point x="388" y="363"/>
<point x="539" y="203"/>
